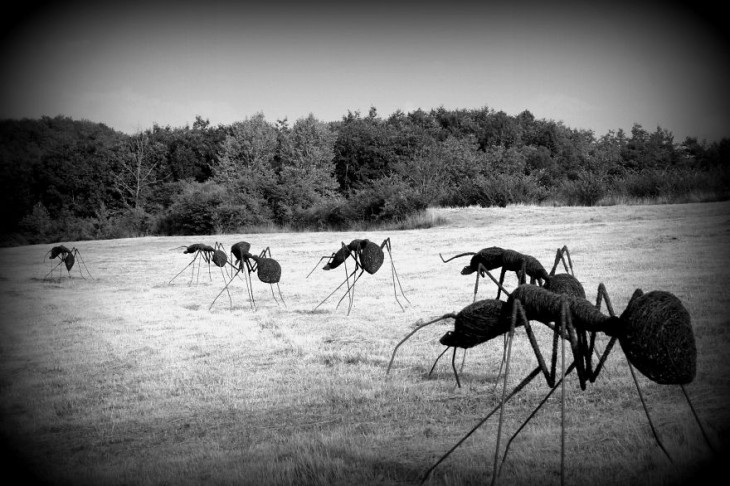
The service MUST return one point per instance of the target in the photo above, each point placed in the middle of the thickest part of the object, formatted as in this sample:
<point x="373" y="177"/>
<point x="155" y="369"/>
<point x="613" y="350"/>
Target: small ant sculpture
<point x="654" y="331"/>
<point x="68" y="258"/>
<point x="369" y="258"/>
<point x="266" y="268"/>
<point x="205" y="252"/>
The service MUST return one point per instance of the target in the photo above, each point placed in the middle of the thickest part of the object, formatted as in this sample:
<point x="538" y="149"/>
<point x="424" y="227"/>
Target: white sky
<point x="592" y="65"/>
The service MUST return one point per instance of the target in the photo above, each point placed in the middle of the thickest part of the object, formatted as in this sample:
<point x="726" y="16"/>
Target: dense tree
<point x="306" y="176"/>
<point x="363" y="151"/>
<point x="67" y="179"/>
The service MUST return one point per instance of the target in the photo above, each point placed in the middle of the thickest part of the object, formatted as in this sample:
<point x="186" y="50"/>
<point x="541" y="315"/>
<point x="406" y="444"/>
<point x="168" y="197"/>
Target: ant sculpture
<point x="654" y="331"/>
<point x="369" y="258"/>
<point x="510" y="260"/>
<point x="205" y="252"/>
<point x="266" y="268"/>
<point x="68" y="258"/>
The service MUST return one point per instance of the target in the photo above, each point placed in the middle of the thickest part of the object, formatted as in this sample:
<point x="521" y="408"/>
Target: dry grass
<point x="125" y="379"/>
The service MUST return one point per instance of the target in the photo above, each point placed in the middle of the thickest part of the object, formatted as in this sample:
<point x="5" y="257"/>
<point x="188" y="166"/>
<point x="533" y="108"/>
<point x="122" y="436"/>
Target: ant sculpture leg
<point x="54" y="268"/>
<point x="346" y="281"/>
<point x="418" y="328"/>
<point x="77" y="254"/>
<point x="250" y="268"/>
<point x="560" y="255"/>
<point x="351" y="288"/>
<point x="207" y="258"/>
<point x="394" y="273"/>
<point x="225" y="288"/>
<point x="437" y="360"/>
<point x="482" y="270"/>
<point x="186" y="266"/>
<point x="329" y="258"/>
<point x="461" y="368"/>
<point x="320" y="261"/>
<point x="500" y="287"/>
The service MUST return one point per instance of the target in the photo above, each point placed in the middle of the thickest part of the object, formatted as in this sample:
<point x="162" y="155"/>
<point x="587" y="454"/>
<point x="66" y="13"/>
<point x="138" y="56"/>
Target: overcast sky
<point x="600" y="65"/>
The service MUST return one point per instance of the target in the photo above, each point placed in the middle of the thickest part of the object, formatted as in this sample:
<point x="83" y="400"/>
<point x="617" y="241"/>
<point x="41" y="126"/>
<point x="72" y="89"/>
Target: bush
<point x="496" y="190"/>
<point x="585" y="190"/>
<point x="131" y="223"/>
<point x="386" y="199"/>
<point x="644" y="185"/>
<point x="334" y="213"/>
<point x="37" y="227"/>
<point x="192" y="211"/>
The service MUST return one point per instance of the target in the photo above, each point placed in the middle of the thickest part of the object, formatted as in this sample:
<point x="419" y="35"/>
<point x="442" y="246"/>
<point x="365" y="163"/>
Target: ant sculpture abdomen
<point x="69" y="261"/>
<point x="268" y="269"/>
<point x="564" y="283"/>
<point x="657" y="338"/>
<point x="240" y="249"/>
<point x="371" y="256"/>
<point x="58" y="250"/>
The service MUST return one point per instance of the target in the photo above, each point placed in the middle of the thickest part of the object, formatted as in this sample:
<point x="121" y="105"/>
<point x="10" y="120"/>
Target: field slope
<point x="127" y="378"/>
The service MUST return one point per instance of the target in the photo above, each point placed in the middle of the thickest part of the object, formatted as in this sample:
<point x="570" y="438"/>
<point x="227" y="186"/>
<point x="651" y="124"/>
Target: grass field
<point x="127" y="379"/>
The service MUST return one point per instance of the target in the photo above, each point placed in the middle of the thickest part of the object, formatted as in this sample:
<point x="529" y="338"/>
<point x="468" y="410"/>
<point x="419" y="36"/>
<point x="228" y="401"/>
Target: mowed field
<point x="129" y="379"/>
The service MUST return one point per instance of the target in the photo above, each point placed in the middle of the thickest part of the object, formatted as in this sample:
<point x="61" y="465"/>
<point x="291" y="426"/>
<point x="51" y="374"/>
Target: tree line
<point x="65" y="180"/>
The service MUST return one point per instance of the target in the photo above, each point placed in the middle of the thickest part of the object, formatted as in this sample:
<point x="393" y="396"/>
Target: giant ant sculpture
<point x="266" y="268"/>
<point x="68" y="258"/>
<point x="654" y="331"/>
<point x="368" y="257"/>
<point x="510" y="260"/>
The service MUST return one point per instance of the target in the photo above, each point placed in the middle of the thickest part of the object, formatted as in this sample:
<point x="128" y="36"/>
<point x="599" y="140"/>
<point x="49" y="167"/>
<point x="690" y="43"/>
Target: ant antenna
<point x="457" y="256"/>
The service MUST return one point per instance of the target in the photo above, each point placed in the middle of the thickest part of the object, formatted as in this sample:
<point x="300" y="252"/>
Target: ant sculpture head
<point x="657" y="337"/>
<point x="345" y="251"/>
<point x="338" y="258"/>
<point x="477" y="323"/>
